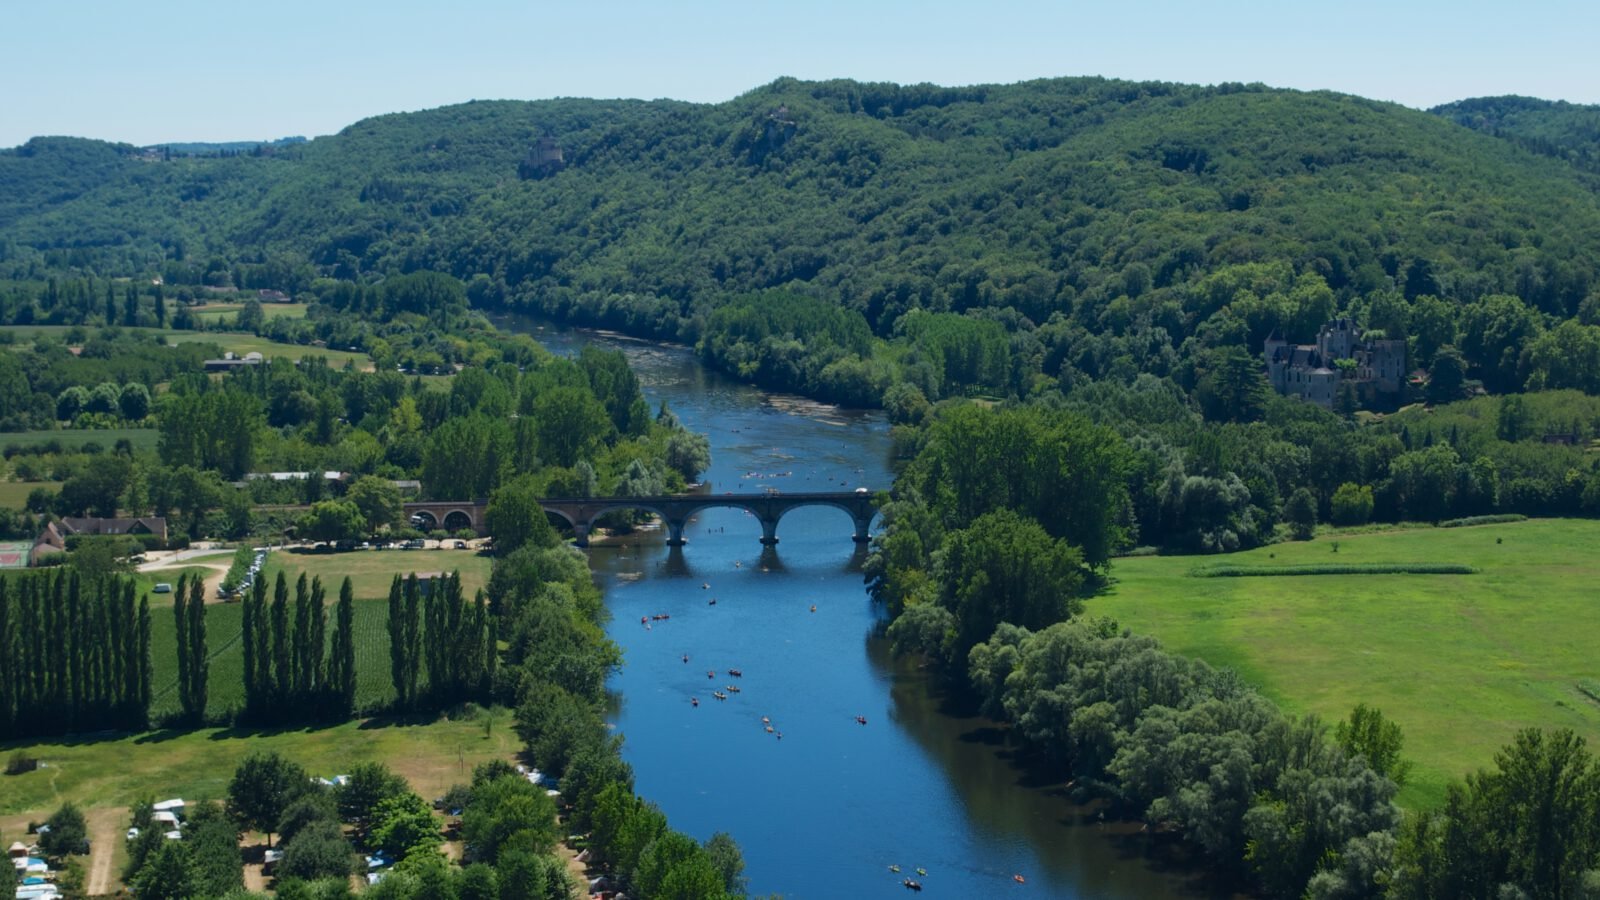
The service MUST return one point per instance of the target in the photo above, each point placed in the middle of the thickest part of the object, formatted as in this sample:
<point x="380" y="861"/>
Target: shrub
<point x="21" y="762"/>
<point x="1469" y="521"/>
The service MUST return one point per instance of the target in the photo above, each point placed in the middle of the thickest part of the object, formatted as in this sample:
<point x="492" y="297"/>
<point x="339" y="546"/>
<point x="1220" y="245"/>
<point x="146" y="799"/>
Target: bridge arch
<point x="457" y="520"/>
<point x="425" y="520"/>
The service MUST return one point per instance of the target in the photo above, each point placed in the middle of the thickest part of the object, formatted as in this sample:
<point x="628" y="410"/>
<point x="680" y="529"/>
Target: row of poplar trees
<point x="194" y="663"/>
<point x="431" y="624"/>
<point x="74" y="654"/>
<point x="290" y="672"/>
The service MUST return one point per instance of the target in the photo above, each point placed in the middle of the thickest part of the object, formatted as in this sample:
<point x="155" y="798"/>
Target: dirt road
<point x="107" y="826"/>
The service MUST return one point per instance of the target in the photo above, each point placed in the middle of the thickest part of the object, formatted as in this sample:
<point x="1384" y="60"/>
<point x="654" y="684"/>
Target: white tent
<point x="164" y="818"/>
<point x="168" y="806"/>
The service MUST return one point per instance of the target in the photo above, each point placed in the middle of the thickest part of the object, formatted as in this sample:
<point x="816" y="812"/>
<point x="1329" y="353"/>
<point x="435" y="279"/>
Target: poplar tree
<point x="130" y="307"/>
<point x="317" y="643"/>
<point x="281" y="665"/>
<point x="247" y="640"/>
<point x="263" y="652"/>
<point x="143" y="659"/>
<point x="397" y="642"/>
<point x="199" y="664"/>
<point x="161" y="309"/>
<point x="413" y="636"/>
<point x="180" y="600"/>
<point x="302" y="638"/>
<point x="342" y="664"/>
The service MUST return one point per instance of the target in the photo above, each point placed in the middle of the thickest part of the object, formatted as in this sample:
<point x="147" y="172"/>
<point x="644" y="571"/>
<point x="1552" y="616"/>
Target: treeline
<point x="1279" y="802"/>
<point x="74" y="654"/>
<point x="290" y="671"/>
<point x="432" y="625"/>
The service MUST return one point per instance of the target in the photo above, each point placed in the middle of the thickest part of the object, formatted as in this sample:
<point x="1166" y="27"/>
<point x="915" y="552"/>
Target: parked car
<point x="461" y="545"/>
<point x="163" y="588"/>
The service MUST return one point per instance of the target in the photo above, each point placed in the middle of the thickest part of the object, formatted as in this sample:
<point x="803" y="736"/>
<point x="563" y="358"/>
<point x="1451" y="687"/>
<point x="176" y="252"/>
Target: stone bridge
<point x="675" y="510"/>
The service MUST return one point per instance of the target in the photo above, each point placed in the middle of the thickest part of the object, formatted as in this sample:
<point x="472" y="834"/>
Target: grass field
<point x="73" y="438"/>
<point x="212" y="312"/>
<point x="239" y="343"/>
<point x="225" y="681"/>
<point x="1461" y="662"/>
<point x="371" y="571"/>
<point x="196" y="765"/>
<point x="14" y="494"/>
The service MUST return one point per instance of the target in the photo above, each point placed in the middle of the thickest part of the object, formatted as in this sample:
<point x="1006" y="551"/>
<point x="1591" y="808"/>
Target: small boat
<point x="766" y="720"/>
<point x="686" y="657"/>
<point x="644" y="620"/>
<point x="862" y="720"/>
<point x="719" y="695"/>
<point x="912" y="885"/>
<point x="712" y="602"/>
<point x="1019" y="879"/>
<point x="895" y="868"/>
<point x="694" y="701"/>
<point x="733" y="689"/>
<point x="705" y="585"/>
<point x="737" y="673"/>
<point x="769" y="729"/>
<point x="923" y="872"/>
<point x="737" y="564"/>
<point x="711" y="673"/>
<point x="813" y="607"/>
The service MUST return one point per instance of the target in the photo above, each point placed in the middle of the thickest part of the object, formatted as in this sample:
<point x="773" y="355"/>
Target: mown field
<point x="1461" y="662"/>
<point x="371" y="571"/>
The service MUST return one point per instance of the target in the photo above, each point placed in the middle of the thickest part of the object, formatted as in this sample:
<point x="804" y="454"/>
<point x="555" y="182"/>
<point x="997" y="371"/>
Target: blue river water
<point x="821" y="805"/>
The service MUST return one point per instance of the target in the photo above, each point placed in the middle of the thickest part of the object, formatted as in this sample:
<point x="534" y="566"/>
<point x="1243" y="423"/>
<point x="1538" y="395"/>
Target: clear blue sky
<point x="171" y="70"/>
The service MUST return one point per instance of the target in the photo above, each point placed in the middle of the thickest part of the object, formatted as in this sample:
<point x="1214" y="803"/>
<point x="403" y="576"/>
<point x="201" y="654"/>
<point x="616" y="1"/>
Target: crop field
<point x="371" y="571"/>
<point x="73" y="438"/>
<point x="1459" y="661"/>
<point x="14" y="494"/>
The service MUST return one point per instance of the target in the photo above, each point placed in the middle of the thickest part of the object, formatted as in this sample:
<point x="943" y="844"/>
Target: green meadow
<point x="238" y="342"/>
<point x="1460" y="661"/>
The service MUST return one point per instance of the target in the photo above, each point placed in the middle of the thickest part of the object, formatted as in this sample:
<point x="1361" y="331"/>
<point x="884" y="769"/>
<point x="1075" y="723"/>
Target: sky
<point x="220" y="70"/>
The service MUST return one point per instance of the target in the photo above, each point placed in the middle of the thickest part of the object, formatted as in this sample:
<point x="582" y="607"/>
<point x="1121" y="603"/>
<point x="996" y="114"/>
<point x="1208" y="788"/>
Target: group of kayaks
<point x="912" y="884"/>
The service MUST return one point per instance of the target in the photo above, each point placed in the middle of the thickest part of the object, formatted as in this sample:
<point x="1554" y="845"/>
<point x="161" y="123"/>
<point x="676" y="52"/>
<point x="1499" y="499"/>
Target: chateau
<point x="1312" y="371"/>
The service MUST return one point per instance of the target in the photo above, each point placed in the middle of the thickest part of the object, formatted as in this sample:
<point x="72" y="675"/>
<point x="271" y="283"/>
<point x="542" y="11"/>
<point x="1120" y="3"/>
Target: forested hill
<point x="1555" y="128"/>
<point x="1109" y="201"/>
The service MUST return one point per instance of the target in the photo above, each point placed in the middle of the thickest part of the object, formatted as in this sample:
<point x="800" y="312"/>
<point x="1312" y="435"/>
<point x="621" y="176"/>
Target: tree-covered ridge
<point x="1555" y="128"/>
<point x="1048" y="196"/>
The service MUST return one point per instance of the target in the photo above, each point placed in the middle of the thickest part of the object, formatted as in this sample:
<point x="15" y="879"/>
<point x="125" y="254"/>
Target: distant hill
<point x="203" y="148"/>
<point x="1566" y="131"/>
<point x="1108" y="201"/>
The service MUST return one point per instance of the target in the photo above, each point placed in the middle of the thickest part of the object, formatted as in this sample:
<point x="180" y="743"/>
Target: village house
<point x="154" y="525"/>
<point x="1313" y="371"/>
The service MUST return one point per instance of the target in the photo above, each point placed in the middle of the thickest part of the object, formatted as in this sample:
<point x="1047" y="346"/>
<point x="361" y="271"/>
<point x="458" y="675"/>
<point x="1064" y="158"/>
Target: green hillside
<point x="1046" y="196"/>
<point x="1554" y="128"/>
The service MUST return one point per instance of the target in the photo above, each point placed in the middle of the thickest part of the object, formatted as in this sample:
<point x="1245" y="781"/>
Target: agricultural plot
<point x="1460" y="661"/>
<point x="215" y="312"/>
<point x="74" y="439"/>
<point x="371" y="571"/>
<point x="14" y="494"/>
<point x="225" y="681"/>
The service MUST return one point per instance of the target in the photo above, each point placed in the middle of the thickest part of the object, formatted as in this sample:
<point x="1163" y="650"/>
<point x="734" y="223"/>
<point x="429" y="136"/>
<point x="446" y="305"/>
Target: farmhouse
<point x="154" y="525"/>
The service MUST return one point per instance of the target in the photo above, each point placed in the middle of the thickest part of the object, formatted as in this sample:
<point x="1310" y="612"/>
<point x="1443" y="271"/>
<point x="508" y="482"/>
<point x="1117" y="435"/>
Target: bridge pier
<point x="581" y="533"/>
<point x="675" y="533"/>
<point x="769" y="532"/>
<point x="862" y="525"/>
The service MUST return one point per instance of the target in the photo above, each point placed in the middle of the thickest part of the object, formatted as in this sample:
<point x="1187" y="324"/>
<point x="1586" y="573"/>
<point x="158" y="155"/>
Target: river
<point x="822" y="805"/>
